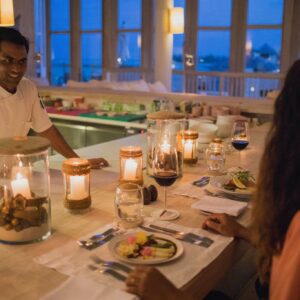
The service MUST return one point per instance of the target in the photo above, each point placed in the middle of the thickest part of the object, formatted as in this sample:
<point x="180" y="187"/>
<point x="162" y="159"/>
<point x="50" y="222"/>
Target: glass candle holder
<point x="163" y="124"/>
<point x="77" y="184"/>
<point x="24" y="190"/>
<point x="189" y="144"/>
<point x="131" y="165"/>
<point x="215" y="155"/>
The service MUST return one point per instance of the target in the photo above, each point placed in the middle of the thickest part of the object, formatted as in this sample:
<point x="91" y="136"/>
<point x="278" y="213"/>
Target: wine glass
<point x="240" y="136"/>
<point x="165" y="172"/>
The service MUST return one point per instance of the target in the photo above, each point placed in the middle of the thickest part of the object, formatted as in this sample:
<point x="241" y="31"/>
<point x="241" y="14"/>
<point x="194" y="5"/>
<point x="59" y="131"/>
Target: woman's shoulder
<point x="294" y="228"/>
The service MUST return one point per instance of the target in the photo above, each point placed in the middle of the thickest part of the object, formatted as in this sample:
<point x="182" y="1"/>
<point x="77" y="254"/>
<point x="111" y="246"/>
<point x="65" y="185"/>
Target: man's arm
<point x="61" y="146"/>
<point x="58" y="142"/>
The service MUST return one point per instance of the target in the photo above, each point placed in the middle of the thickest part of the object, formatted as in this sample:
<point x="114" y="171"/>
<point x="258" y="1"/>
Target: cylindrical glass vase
<point x="164" y="127"/>
<point x="25" y="214"/>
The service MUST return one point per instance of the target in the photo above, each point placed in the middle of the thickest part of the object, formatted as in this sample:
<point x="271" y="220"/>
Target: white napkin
<point x="79" y="287"/>
<point x="220" y="205"/>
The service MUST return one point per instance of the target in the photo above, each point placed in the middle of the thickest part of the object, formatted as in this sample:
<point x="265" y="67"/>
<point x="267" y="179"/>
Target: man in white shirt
<point x="20" y="107"/>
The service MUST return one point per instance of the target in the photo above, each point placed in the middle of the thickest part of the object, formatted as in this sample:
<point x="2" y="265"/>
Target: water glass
<point x="129" y="205"/>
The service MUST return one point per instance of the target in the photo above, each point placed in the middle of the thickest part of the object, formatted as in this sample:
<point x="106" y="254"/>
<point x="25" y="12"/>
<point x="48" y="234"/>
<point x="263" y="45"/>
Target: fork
<point x="109" y="271"/>
<point x="183" y="235"/>
<point x="189" y="239"/>
<point x="111" y="264"/>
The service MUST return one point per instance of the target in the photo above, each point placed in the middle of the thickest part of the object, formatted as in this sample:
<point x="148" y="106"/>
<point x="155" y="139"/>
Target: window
<point x="264" y="31"/>
<point x="214" y="20"/>
<point x="91" y="39"/>
<point x="59" y="41"/>
<point x="177" y="54"/>
<point x="129" y="33"/>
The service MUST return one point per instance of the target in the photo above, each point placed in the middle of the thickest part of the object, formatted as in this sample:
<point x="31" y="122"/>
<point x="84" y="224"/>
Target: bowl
<point x="206" y="132"/>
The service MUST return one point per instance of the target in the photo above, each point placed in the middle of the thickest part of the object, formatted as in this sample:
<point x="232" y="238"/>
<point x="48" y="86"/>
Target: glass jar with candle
<point x="189" y="144"/>
<point x="164" y="127"/>
<point x="215" y="155"/>
<point x="24" y="190"/>
<point x="131" y="165"/>
<point x="77" y="185"/>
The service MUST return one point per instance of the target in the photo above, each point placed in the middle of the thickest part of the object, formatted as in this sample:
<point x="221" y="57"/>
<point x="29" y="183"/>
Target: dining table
<point x="26" y="271"/>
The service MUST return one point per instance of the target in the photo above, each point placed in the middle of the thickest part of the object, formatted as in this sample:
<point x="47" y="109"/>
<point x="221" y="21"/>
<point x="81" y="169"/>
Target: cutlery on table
<point x="108" y="271"/>
<point x="98" y="239"/>
<point x="110" y="264"/>
<point x="228" y="196"/>
<point x="202" y="181"/>
<point x="183" y="234"/>
<point x="205" y="242"/>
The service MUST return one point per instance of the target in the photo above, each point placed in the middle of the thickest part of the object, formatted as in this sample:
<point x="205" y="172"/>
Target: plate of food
<point x="145" y="249"/>
<point x="240" y="183"/>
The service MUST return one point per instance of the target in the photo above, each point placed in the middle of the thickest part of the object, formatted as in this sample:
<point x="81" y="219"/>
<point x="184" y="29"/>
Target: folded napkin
<point x="79" y="287"/>
<point x="220" y="205"/>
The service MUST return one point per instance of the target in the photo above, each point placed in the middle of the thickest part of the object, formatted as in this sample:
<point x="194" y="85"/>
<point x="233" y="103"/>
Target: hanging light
<point x="7" y="13"/>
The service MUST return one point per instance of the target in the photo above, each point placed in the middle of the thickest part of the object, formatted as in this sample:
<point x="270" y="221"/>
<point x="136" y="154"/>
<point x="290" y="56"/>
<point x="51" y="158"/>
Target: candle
<point x="25" y="172"/>
<point x="77" y="188"/>
<point x="20" y="186"/>
<point x="130" y="169"/>
<point x="188" y="149"/>
<point x="165" y="147"/>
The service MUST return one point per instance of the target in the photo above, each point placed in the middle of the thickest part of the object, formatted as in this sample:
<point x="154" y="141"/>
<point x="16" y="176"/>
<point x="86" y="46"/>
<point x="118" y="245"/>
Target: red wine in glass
<point x="165" y="178"/>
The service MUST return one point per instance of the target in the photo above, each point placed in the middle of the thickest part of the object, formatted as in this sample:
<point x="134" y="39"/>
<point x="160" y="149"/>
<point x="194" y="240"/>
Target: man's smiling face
<point x="13" y="64"/>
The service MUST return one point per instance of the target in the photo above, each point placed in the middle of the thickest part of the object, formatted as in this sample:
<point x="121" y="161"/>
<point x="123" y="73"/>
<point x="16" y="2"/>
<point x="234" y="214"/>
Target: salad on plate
<point x="239" y="180"/>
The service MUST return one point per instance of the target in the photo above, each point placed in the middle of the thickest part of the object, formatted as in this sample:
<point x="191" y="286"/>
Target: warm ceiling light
<point x="7" y="13"/>
<point x="176" y="20"/>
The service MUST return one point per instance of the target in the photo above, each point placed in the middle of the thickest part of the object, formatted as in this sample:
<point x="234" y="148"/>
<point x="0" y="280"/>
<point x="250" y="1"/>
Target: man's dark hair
<point x="12" y="35"/>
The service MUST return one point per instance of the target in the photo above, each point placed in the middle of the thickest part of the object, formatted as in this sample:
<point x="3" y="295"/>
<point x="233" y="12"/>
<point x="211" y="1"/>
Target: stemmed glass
<point x="165" y="172"/>
<point x="240" y="136"/>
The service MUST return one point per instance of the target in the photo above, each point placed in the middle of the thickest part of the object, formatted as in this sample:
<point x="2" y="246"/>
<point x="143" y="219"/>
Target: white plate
<point x="216" y="185"/>
<point x="113" y="244"/>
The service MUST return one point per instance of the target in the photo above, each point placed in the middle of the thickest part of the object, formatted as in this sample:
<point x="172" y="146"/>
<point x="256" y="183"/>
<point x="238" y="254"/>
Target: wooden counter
<point x="22" y="278"/>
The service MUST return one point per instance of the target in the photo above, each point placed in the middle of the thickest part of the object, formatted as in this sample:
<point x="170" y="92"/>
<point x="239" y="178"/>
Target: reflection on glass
<point x="129" y="49"/>
<point x="91" y="14"/>
<point x="265" y="12"/>
<point x="59" y="15"/>
<point x="129" y="14"/>
<point x="60" y="58"/>
<point x="177" y="83"/>
<point x="263" y="47"/>
<point x="214" y="12"/>
<point x="179" y="3"/>
<point x="210" y="57"/>
<point x="177" y="63"/>
<point x="91" y="53"/>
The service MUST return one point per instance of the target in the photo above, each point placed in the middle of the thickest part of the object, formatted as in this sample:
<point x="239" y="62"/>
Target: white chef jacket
<point x="21" y="111"/>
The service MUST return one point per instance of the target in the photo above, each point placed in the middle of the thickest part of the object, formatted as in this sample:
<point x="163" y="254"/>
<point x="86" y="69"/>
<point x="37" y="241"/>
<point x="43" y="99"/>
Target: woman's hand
<point x="226" y="225"/>
<point x="98" y="163"/>
<point x="148" y="283"/>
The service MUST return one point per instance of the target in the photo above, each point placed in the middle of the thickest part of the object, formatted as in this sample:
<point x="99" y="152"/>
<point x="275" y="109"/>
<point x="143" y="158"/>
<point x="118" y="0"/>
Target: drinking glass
<point x="240" y="136"/>
<point x="129" y="205"/>
<point x="165" y="172"/>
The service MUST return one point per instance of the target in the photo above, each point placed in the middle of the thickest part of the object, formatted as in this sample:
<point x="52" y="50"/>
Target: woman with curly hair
<point x="275" y="229"/>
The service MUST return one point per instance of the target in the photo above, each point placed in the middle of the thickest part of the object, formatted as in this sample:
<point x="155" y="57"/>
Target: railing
<point x="254" y="85"/>
<point x="128" y="74"/>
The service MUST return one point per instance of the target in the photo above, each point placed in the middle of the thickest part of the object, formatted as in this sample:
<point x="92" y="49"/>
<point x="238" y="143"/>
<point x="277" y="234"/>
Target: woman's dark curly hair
<point x="278" y="190"/>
